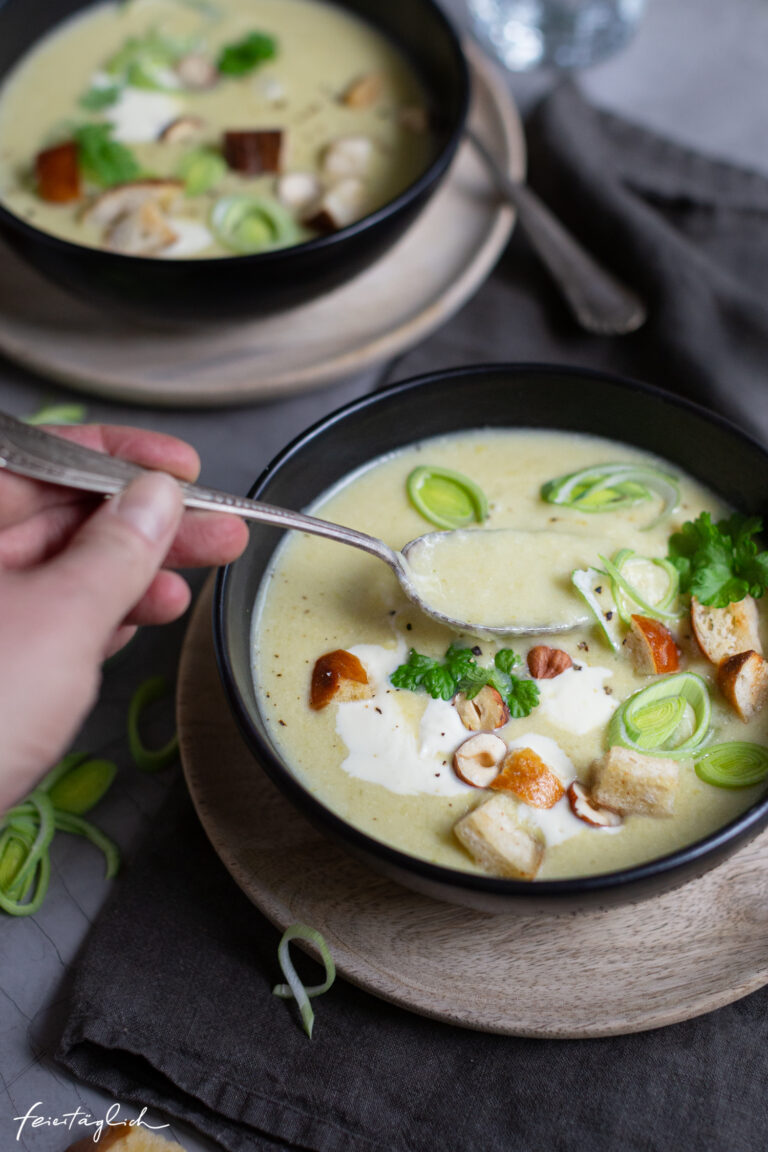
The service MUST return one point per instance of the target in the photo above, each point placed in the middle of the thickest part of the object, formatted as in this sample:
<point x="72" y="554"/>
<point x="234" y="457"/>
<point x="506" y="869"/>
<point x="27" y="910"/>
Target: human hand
<point x="77" y="575"/>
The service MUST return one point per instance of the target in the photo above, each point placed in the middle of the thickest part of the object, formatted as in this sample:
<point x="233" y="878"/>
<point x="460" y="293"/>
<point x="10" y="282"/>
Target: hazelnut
<point x="588" y="811"/>
<point x="484" y="712"/>
<point x="363" y="91"/>
<point x="477" y="760"/>
<point x="180" y="129"/>
<point x="545" y="663"/>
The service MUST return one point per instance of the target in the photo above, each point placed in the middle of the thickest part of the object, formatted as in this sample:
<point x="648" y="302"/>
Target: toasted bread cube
<point x="496" y="837"/>
<point x="724" y="632"/>
<point x="634" y="784"/>
<point x="743" y="680"/>
<point x="652" y="647"/>
<point x="124" y="1138"/>
<point x="338" y="676"/>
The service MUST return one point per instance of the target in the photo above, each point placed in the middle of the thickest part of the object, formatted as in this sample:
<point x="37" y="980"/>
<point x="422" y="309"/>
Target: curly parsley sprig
<point x="460" y="672"/>
<point x="719" y="563"/>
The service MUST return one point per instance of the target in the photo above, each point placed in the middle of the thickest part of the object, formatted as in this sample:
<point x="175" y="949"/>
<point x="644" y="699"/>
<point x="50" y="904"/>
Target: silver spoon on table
<point x="29" y="451"/>
<point x="598" y="300"/>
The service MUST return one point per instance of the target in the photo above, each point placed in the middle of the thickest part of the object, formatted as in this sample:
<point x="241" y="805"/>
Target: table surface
<point x="695" y="71"/>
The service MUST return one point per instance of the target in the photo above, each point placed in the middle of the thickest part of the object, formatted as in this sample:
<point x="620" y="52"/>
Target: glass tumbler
<point x="554" y="33"/>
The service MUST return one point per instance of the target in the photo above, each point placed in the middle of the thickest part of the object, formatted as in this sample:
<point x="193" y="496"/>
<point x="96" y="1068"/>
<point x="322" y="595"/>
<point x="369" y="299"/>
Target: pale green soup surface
<point x="319" y="596"/>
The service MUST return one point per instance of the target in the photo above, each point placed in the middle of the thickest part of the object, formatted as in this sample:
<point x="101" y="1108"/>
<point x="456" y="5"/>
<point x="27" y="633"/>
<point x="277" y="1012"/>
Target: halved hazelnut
<point x="144" y="232"/>
<point x="254" y="152"/>
<point x="483" y="712"/>
<point x="363" y="91"/>
<point x="338" y="676"/>
<point x="58" y="173"/>
<point x="743" y="680"/>
<point x="122" y="199"/>
<point x="182" y="128"/>
<point x="652" y="646"/>
<point x="524" y="773"/>
<point x="347" y="156"/>
<point x="477" y="760"/>
<point x="340" y="206"/>
<point x="299" y="191"/>
<point x="586" y="809"/>
<point x="545" y="663"/>
<point x="196" y="71"/>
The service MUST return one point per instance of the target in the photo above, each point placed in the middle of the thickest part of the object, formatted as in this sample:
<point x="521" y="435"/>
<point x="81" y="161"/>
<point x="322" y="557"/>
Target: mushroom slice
<point x="338" y="676"/>
<point x="363" y="91"/>
<point x="743" y="680"/>
<point x="586" y="809"/>
<point x="124" y="199"/>
<point x="339" y="207"/>
<point x="58" y="174"/>
<point x="181" y="129"/>
<point x="347" y="156"/>
<point x="483" y="712"/>
<point x="652" y="647"/>
<point x="197" y="71"/>
<point x="299" y="191"/>
<point x="143" y="232"/>
<point x="477" y="760"/>
<point x="255" y="152"/>
<point x="524" y="773"/>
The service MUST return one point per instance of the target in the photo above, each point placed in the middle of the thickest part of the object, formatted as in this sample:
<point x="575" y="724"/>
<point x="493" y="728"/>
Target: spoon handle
<point x="600" y="302"/>
<point x="29" y="451"/>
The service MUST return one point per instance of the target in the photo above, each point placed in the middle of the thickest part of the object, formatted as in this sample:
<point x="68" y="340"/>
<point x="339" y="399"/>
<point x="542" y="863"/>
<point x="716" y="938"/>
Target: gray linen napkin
<point x="171" y="1002"/>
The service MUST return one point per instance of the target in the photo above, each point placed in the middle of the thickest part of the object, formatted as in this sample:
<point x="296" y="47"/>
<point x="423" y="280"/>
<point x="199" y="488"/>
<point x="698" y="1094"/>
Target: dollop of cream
<point x="576" y="700"/>
<point x="139" y="116"/>
<point x="386" y="746"/>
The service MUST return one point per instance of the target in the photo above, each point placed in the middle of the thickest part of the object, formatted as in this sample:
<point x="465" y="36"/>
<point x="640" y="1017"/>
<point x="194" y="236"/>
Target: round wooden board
<point x="571" y="976"/>
<point x="440" y="262"/>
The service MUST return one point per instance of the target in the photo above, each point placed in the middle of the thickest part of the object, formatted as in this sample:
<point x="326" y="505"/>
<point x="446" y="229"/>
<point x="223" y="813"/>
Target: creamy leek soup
<point x="590" y="783"/>
<point x="190" y="128"/>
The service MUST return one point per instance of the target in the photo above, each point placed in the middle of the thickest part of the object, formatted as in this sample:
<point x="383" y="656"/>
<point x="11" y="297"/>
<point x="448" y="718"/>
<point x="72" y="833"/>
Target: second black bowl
<point x="237" y="286"/>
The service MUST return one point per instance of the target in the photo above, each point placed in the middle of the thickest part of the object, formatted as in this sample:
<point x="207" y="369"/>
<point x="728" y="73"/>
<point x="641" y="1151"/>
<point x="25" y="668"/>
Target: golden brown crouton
<point x="524" y="773"/>
<point x="724" y="632"/>
<point x="652" y="647"/>
<point x="495" y="835"/>
<point x="743" y="680"/>
<point x="338" y="676"/>
<point x="632" y="783"/>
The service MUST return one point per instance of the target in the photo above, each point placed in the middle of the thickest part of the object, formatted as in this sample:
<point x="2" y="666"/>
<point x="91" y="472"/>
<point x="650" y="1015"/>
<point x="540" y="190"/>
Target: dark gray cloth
<point x="171" y="1004"/>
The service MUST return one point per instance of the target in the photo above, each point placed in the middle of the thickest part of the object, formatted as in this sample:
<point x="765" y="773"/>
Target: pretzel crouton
<point x="724" y="632"/>
<point x="743" y="680"/>
<point x="495" y="836"/>
<point x="634" y="784"/>
<point x="338" y="676"/>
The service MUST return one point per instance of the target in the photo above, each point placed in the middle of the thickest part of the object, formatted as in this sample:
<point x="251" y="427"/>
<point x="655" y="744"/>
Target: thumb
<point x="110" y="562"/>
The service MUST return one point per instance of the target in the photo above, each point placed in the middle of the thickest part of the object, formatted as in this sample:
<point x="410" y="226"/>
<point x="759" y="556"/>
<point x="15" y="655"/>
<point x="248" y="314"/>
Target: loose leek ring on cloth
<point x="445" y="498"/>
<point x="612" y="487"/>
<point x="738" y="764"/>
<point x="294" y="988"/>
<point x="149" y="759"/>
<point x="649" y="719"/>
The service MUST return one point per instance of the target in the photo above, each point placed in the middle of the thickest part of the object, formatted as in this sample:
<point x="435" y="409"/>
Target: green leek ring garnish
<point x="738" y="764"/>
<point x="250" y="224"/>
<point x="445" y="498"/>
<point x="586" y="581"/>
<point x="648" y="719"/>
<point x="624" y="590"/>
<point x="612" y="487"/>
<point x="294" y="988"/>
<point x="149" y="759"/>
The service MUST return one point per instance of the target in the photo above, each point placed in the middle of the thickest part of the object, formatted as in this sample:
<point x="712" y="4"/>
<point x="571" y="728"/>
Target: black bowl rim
<point x="409" y="195"/>
<point x="683" y="859"/>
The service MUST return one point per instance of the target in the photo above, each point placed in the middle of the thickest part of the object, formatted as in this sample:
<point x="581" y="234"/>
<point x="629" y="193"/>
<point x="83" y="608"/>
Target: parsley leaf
<point x="97" y="99"/>
<point x="104" y="161"/>
<point x="460" y="672"/>
<point x="242" y="57"/>
<point x="720" y="563"/>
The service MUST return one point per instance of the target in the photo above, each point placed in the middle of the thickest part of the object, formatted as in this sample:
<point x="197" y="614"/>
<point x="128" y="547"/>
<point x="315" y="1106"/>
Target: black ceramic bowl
<point x="500" y="396"/>
<point x="220" y="288"/>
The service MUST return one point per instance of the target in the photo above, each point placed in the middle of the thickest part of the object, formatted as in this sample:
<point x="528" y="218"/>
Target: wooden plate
<point x="578" y="975"/>
<point x="440" y="262"/>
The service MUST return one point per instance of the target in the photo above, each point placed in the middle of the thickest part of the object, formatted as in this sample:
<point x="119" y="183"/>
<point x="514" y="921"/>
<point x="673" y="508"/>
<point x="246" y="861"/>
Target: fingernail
<point x="150" y="504"/>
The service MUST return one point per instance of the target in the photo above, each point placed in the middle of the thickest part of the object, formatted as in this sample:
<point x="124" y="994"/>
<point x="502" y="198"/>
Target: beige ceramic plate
<point x="424" y="279"/>
<point x="581" y="975"/>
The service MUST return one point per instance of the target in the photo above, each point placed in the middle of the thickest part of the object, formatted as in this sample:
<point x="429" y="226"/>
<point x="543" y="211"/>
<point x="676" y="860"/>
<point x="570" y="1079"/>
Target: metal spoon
<point x="29" y="451"/>
<point x="600" y="302"/>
